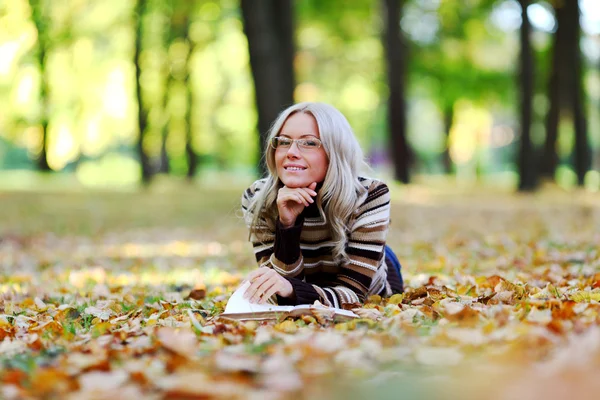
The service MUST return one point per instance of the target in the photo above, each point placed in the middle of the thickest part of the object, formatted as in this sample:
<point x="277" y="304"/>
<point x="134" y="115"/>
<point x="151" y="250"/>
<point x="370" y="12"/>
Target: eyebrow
<point x="303" y="136"/>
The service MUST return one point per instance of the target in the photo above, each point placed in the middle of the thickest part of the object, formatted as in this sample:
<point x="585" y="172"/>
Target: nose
<point x="293" y="151"/>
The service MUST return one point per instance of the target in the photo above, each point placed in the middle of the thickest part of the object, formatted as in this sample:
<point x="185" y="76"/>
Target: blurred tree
<point x="181" y="71"/>
<point x="583" y="151"/>
<point x="269" y="27"/>
<point x="396" y="53"/>
<point x="179" y="49"/>
<point x="447" y="63"/>
<point x="41" y="23"/>
<point x="527" y="160"/>
<point x="163" y="166"/>
<point x="565" y="90"/>
<point x="142" y="111"/>
<point x="448" y="122"/>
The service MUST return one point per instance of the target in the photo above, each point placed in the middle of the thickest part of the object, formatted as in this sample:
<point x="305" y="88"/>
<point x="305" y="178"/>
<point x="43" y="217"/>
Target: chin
<point x="295" y="182"/>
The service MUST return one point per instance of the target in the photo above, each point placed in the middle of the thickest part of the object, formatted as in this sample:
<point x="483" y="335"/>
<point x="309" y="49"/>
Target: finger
<point x="293" y="197"/>
<point x="265" y="285"/>
<point x="311" y="189"/>
<point x="305" y="193"/>
<point x="296" y="198"/>
<point x="302" y="199"/>
<point x="269" y="293"/>
<point x="267" y="290"/>
<point x="306" y="190"/>
<point x="255" y="273"/>
<point x="254" y="284"/>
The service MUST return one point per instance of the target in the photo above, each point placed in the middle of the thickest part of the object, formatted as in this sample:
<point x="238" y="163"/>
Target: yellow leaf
<point x="376" y="299"/>
<point x="342" y="327"/>
<point x="287" y="326"/>
<point x="41" y="306"/>
<point x="396" y="299"/>
<point x="309" y="319"/>
<point x="363" y="321"/>
<point x="581" y="297"/>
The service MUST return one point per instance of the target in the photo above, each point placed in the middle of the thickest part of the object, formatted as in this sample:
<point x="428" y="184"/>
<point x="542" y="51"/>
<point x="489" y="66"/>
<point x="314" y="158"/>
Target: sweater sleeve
<point x="279" y="250"/>
<point x="365" y="250"/>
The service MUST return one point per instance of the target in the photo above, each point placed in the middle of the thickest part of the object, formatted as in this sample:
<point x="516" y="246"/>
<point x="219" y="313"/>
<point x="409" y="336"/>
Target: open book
<point x="240" y="308"/>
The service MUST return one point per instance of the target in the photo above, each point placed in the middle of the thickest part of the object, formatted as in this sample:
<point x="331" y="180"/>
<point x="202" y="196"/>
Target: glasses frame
<point x="298" y="142"/>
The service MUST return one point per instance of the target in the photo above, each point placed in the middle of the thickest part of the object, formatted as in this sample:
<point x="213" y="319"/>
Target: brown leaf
<point x="412" y="295"/>
<point x="180" y="341"/>
<point x="197" y="294"/>
<point x="14" y="377"/>
<point x="350" y="306"/>
<point x="465" y="315"/>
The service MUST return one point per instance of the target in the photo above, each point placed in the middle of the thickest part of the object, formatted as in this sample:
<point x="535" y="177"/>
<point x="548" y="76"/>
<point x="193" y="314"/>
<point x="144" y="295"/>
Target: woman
<point x="317" y="227"/>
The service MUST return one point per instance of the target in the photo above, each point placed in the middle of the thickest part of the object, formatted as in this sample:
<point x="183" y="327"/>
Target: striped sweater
<point x="303" y="253"/>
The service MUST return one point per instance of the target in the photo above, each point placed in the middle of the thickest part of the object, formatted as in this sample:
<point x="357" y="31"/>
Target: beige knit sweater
<point x="303" y="253"/>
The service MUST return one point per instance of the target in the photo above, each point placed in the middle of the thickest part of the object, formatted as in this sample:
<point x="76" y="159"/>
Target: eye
<point x="279" y="141"/>
<point x="284" y="141"/>
<point x="311" y="143"/>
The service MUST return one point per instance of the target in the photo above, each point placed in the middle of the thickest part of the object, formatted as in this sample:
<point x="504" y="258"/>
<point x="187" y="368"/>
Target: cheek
<point x="321" y="165"/>
<point x="278" y="159"/>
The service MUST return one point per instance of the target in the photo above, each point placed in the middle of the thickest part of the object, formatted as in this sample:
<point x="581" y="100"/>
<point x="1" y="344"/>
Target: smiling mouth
<point x="294" y="169"/>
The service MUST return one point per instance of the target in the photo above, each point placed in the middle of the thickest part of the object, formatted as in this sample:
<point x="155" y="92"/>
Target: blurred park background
<point x="130" y="128"/>
<point x="116" y="93"/>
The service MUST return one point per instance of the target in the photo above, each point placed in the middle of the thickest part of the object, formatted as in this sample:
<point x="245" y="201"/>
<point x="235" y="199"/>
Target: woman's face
<point x="299" y="167"/>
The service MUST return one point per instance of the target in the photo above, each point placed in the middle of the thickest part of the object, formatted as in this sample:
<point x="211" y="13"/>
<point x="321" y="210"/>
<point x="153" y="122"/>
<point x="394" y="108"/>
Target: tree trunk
<point x="526" y="162"/>
<point x="448" y="121"/>
<point x="40" y="20"/>
<point x="164" y="167"/>
<point x="192" y="157"/>
<point x="268" y="25"/>
<point x="142" y="112"/>
<point x="395" y="56"/>
<point x="549" y="160"/>
<point x="575" y="83"/>
<point x="566" y="91"/>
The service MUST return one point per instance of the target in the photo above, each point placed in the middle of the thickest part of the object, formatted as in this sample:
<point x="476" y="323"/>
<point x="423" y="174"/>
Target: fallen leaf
<point x="180" y="341"/>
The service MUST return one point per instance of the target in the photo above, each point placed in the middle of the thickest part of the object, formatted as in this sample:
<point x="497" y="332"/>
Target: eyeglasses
<point x="303" y="144"/>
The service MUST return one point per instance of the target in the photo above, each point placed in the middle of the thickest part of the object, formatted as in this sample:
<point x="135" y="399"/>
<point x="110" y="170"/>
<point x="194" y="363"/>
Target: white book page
<point x="238" y="304"/>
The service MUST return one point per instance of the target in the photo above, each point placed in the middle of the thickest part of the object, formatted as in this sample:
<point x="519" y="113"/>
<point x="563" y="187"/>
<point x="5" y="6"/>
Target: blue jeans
<point x="391" y="258"/>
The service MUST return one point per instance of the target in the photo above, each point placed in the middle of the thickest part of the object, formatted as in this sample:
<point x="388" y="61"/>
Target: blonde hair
<point x="341" y="193"/>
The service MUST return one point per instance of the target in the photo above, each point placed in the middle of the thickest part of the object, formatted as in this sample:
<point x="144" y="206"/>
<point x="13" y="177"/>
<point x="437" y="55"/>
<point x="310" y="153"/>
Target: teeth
<point x="294" y="169"/>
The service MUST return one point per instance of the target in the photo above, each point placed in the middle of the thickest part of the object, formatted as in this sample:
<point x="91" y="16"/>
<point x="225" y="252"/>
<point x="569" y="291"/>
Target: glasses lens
<point x="310" y="143"/>
<point x="279" y="141"/>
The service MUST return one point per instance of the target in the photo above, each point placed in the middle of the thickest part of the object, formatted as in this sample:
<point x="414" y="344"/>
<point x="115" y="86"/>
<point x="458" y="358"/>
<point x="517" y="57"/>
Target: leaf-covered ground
<point x="117" y="296"/>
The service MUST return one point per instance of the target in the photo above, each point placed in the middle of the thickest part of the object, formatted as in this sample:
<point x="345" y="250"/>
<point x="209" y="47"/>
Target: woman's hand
<point x="264" y="283"/>
<point x="291" y="202"/>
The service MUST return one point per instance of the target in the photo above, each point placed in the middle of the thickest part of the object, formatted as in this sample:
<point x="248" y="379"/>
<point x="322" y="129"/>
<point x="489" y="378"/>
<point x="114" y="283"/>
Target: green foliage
<point x="198" y="48"/>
